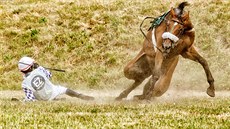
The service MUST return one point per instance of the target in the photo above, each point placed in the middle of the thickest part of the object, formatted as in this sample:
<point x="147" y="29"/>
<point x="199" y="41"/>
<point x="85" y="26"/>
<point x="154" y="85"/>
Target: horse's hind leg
<point x="125" y="93"/>
<point x="192" y="54"/>
<point x="145" y="90"/>
<point x="138" y="70"/>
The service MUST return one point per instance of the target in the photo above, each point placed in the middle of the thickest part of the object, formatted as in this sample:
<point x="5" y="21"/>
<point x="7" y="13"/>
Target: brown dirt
<point x="108" y="96"/>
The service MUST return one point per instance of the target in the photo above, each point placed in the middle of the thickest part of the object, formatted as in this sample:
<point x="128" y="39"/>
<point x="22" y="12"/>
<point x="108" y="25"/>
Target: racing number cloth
<point x="39" y="84"/>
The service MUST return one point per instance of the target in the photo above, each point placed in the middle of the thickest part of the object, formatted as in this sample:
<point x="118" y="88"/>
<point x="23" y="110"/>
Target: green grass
<point x="187" y="113"/>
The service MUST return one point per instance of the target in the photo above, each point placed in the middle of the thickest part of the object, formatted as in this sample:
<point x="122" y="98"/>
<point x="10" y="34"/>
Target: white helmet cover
<point x="25" y="63"/>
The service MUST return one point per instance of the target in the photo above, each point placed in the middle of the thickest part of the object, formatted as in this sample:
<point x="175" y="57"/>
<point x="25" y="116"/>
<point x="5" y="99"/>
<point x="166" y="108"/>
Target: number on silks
<point x="38" y="82"/>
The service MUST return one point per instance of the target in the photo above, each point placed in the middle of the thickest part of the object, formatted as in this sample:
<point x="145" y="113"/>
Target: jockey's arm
<point x="47" y="72"/>
<point x="29" y="95"/>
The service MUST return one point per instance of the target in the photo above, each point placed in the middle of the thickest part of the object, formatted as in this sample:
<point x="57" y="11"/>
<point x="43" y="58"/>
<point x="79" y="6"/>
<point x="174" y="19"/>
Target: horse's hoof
<point x="118" y="98"/>
<point x="139" y="97"/>
<point x="148" y="97"/>
<point x="211" y="92"/>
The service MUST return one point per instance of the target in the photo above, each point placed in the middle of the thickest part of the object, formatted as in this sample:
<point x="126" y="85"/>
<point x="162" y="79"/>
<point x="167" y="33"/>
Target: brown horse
<point x="174" y="36"/>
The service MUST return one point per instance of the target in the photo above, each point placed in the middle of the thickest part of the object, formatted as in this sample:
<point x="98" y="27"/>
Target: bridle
<point x="167" y="26"/>
<point x="176" y="22"/>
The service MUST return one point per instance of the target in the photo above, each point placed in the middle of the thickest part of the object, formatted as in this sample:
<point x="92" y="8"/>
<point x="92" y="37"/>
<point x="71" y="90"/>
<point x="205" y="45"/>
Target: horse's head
<point x="176" y="24"/>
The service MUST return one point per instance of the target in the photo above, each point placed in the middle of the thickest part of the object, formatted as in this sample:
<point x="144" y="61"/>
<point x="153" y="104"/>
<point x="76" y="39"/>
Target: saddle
<point x="157" y="21"/>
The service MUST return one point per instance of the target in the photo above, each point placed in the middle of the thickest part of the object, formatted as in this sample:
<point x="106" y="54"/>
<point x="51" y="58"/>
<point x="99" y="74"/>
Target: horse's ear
<point x="187" y="23"/>
<point x="172" y="12"/>
<point x="185" y="16"/>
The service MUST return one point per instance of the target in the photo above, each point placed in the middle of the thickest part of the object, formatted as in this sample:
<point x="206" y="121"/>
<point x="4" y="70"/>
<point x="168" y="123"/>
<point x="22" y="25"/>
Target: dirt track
<point x="107" y="96"/>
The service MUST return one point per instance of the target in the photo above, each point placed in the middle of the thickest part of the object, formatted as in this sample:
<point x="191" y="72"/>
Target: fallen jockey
<point x="37" y="84"/>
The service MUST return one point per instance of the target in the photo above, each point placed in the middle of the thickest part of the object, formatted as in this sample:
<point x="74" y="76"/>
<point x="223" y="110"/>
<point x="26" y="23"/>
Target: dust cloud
<point x="108" y="96"/>
<point x="188" y="82"/>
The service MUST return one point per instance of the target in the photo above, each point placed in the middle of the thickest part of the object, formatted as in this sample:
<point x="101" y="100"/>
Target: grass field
<point x="93" y="40"/>
<point x="193" y="110"/>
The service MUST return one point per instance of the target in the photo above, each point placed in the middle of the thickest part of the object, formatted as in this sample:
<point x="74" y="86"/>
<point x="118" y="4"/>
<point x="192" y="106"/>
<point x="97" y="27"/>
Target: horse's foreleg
<point x="192" y="54"/>
<point x="162" y="84"/>
<point x="155" y="76"/>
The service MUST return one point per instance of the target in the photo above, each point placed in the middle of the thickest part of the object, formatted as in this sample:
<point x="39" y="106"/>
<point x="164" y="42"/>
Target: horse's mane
<point x="180" y="9"/>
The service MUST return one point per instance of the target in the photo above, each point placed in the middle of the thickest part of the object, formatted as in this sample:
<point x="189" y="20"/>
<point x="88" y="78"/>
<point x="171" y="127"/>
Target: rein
<point x="59" y="70"/>
<point x="156" y="22"/>
<point x="144" y="33"/>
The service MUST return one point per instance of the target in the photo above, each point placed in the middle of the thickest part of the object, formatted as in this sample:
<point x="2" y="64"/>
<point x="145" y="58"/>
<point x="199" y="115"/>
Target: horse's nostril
<point x="166" y="46"/>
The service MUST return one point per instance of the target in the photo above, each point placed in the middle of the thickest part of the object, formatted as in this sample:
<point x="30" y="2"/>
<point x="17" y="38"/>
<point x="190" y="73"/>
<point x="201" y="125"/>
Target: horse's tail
<point x="182" y="5"/>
